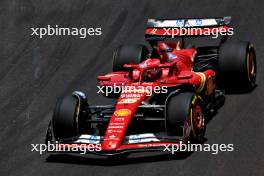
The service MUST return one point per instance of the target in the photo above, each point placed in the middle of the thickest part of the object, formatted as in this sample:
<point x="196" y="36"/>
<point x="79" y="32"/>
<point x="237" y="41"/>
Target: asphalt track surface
<point x="34" y="72"/>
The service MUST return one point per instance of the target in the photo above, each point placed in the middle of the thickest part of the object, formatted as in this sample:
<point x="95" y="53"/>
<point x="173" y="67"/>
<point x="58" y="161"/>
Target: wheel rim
<point x="197" y="120"/>
<point x="251" y="70"/>
<point x="198" y="117"/>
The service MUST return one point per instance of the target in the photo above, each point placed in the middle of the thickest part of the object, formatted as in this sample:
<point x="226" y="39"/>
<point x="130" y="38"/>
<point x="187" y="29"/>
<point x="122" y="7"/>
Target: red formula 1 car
<point x="163" y="97"/>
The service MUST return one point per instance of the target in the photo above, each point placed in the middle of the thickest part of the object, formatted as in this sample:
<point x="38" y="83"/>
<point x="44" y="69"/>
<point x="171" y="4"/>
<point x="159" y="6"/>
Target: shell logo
<point x="122" y="112"/>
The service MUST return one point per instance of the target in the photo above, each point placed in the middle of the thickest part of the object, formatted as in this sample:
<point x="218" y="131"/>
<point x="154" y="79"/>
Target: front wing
<point x="146" y="142"/>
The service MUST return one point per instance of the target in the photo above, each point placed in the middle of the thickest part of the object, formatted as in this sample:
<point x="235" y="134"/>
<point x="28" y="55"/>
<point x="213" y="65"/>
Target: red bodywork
<point x="172" y="68"/>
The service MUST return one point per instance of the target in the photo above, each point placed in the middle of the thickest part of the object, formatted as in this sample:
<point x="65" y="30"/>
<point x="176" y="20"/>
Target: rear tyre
<point x="129" y="54"/>
<point x="184" y="117"/>
<point x="237" y="67"/>
<point x="65" y="118"/>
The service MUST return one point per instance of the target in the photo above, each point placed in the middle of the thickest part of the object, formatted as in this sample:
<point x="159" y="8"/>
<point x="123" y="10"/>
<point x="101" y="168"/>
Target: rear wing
<point x="189" y="27"/>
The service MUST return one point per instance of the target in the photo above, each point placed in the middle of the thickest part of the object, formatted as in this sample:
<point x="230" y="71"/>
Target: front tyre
<point x="65" y="118"/>
<point x="184" y="116"/>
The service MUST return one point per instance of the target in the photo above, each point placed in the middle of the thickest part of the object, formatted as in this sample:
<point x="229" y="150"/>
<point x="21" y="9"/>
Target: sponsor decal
<point x="198" y="22"/>
<point x="117" y="124"/>
<point x="112" y="144"/>
<point x="114" y="131"/>
<point x="187" y="24"/>
<point x="134" y="139"/>
<point x="116" y="127"/>
<point x="119" y="119"/>
<point x="127" y="101"/>
<point x="182" y="23"/>
<point x="112" y="136"/>
<point x="150" y="145"/>
<point x="91" y="139"/>
<point x="122" y="112"/>
<point x="130" y="96"/>
<point x="179" y="23"/>
<point x="142" y="138"/>
<point x="138" y="90"/>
